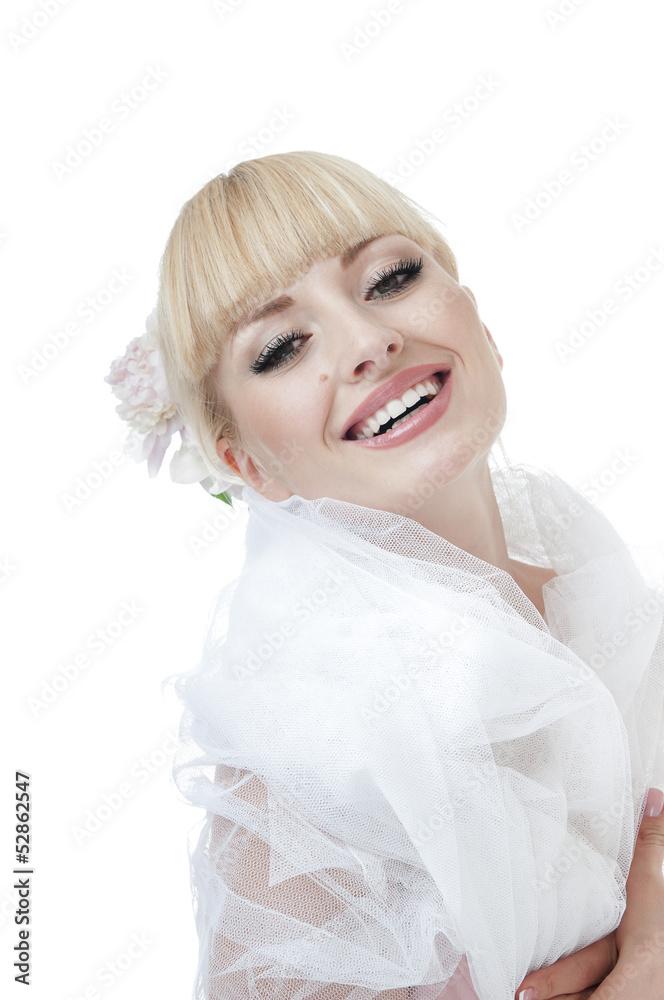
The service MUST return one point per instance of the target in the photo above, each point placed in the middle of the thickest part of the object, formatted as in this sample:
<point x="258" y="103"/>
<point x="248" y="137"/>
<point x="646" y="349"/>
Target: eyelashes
<point x="265" y="361"/>
<point x="409" y="269"/>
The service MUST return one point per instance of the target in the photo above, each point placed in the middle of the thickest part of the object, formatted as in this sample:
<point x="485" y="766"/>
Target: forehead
<point x="281" y="302"/>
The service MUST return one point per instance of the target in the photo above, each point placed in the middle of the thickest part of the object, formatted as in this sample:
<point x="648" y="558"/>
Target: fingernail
<point x="654" y="805"/>
<point x="529" y="994"/>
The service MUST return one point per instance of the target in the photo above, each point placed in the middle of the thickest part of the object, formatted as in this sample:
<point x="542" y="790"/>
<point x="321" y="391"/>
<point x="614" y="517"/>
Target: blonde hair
<point x="249" y="233"/>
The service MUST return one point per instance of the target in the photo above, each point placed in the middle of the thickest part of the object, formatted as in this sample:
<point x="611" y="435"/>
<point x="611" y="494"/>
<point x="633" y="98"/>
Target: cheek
<point x="441" y="312"/>
<point x="279" y="423"/>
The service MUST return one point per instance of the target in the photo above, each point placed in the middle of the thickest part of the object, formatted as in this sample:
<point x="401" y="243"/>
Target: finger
<point x="583" y="995"/>
<point x="654" y="802"/>
<point x="649" y="846"/>
<point x="573" y="974"/>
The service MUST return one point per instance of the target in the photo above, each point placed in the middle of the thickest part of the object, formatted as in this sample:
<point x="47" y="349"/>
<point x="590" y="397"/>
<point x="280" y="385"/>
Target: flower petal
<point x="187" y="465"/>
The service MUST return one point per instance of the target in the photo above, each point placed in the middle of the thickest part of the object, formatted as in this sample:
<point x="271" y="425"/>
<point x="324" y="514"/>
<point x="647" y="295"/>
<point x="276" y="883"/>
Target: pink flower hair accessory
<point x="139" y="381"/>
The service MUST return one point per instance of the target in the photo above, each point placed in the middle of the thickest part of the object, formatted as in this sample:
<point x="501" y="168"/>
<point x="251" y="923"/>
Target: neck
<point x="465" y="512"/>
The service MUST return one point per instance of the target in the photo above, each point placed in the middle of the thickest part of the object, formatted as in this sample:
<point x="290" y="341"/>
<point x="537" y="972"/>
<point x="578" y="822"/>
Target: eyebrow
<point x="283" y="302"/>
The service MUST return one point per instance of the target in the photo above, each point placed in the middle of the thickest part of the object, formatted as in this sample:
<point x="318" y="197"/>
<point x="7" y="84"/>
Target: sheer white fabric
<point x="415" y="785"/>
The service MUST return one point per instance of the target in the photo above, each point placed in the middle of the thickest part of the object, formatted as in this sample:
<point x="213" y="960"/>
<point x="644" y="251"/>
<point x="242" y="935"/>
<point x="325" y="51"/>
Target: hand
<point x="643" y="918"/>
<point x="623" y="964"/>
<point x="575" y="977"/>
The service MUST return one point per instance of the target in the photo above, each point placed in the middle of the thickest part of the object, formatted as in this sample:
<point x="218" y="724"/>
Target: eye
<point x="390" y="281"/>
<point x="386" y="281"/>
<point x="266" y="359"/>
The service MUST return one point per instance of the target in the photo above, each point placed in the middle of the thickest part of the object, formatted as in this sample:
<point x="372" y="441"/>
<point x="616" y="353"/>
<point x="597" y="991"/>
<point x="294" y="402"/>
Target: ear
<point x="245" y="467"/>
<point x="499" y="357"/>
<point x="226" y="455"/>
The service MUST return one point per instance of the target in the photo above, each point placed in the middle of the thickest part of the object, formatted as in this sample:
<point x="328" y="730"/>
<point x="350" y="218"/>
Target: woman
<point x="423" y="750"/>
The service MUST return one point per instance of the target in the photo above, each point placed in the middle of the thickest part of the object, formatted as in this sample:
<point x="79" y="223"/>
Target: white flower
<point x="139" y="381"/>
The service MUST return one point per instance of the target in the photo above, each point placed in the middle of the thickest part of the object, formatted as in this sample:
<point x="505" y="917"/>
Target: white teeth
<point x="410" y="396"/>
<point x="403" y="420"/>
<point x="395" y="407"/>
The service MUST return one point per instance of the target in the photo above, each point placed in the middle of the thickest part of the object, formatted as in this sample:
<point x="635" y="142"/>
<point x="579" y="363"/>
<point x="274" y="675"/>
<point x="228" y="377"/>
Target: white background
<point x="373" y="96"/>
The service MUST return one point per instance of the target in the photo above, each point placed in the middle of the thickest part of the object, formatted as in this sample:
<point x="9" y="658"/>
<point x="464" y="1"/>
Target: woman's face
<point x="358" y="325"/>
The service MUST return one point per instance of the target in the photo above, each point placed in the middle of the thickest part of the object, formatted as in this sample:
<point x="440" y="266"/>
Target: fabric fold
<point x="412" y="778"/>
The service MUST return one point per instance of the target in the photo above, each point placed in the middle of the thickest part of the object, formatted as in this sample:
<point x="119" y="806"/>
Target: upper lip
<point x="390" y="390"/>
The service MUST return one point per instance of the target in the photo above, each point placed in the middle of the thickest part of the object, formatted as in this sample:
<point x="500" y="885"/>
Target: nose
<point x="370" y="348"/>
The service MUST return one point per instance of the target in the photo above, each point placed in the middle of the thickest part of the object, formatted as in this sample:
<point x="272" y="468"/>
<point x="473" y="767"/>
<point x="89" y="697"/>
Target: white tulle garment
<point x="415" y="785"/>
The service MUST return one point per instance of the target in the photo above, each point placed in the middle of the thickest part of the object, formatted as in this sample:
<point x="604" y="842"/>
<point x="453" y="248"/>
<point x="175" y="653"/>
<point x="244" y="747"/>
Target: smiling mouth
<point x="355" y="432"/>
